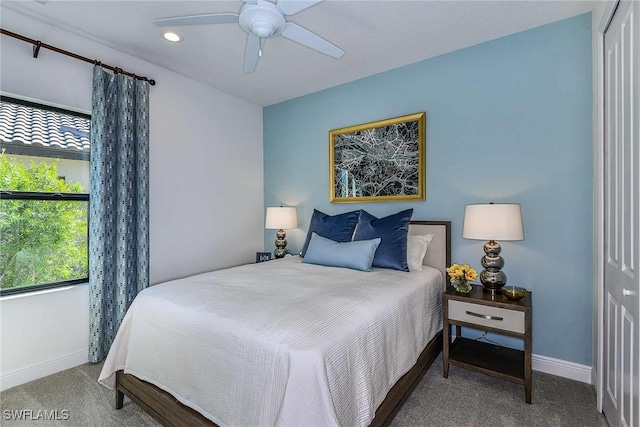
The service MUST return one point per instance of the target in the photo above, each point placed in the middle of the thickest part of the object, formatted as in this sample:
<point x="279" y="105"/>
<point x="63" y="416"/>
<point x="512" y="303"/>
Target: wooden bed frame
<point x="169" y="412"/>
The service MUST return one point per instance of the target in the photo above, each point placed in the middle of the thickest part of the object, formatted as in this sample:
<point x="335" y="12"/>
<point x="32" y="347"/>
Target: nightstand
<point x="497" y="314"/>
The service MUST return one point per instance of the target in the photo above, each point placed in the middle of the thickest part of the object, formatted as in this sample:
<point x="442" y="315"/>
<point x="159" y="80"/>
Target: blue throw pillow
<point x="355" y="255"/>
<point x="338" y="228"/>
<point x="392" y="230"/>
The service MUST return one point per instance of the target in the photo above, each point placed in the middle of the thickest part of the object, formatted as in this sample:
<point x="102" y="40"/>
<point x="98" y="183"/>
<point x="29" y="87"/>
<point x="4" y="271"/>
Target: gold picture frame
<point x="381" y="161"/>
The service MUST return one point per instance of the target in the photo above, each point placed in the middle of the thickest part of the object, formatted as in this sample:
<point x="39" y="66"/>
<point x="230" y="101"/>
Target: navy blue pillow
<point x="338" y="228"/>
<point x="393" y="231"/>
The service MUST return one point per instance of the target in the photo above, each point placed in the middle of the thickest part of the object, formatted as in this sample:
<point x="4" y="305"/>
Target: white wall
<point x="43" y="333"/>
<point x="206" y="187"/>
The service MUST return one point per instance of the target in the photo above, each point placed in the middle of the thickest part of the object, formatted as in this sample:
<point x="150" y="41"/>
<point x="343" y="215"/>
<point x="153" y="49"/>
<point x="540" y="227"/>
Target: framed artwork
<point x="263" y="256"/>
<point x="382" y="161"/>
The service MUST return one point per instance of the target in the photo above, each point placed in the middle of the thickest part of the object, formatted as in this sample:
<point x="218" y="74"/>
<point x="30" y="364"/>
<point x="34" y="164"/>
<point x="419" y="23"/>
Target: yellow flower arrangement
<point x="460" y="276"/>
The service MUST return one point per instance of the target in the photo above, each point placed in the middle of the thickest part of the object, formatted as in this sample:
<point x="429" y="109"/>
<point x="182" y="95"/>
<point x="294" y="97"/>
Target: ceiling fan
<point x="262" y="19"/>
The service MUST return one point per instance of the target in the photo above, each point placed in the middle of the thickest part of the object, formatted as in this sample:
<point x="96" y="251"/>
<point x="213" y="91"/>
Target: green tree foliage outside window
<point x="41" y="241"/>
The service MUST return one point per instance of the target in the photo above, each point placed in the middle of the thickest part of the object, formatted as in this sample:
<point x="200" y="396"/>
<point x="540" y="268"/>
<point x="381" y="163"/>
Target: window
<point x="44" y="200"/>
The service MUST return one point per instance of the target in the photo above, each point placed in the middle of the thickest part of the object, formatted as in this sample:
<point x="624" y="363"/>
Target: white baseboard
<point x="33" y="372"/>
<point x="561" y="368"/>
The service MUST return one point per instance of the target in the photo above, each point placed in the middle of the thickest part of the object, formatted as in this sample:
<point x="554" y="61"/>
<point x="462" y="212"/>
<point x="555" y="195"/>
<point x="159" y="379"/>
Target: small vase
<point x="461" y="286"/>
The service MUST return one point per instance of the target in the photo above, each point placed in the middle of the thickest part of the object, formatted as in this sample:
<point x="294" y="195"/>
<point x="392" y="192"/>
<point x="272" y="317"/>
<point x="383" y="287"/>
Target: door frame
<point x="597" y="372"/>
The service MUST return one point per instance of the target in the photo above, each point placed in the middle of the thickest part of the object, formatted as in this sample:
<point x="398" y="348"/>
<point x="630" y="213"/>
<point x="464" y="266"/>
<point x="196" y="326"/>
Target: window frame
<point x="22" y="150"/>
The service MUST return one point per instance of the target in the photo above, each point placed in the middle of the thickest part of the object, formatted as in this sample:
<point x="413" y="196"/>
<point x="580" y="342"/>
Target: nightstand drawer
<point x="494" y="317"/>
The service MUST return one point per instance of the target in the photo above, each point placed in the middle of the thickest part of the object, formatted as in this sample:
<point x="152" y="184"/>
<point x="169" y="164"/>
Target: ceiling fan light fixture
<point x="262" y="29"/>
<point x="171" y="36"/>
<point x="262" y="19"/>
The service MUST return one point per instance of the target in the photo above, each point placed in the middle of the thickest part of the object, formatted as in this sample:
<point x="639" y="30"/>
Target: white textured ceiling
<point x="376" y="35"/>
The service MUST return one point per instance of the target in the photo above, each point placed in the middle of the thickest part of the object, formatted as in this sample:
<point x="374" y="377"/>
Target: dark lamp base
<point x="281" y="244"/>
<point x="492" y="278"/>
<point x="492" y="291"/>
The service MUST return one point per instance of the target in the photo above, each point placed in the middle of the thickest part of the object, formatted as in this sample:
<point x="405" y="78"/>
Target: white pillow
<point x="416" y="250"/>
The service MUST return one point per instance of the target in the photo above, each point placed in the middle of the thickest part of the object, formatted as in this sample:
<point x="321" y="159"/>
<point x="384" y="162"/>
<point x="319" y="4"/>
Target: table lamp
<point x="279" y="218"/>
<point x="492" y="222"/>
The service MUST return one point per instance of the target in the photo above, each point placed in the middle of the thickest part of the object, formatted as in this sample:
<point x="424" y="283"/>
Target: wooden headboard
<point x="439" y="252"/>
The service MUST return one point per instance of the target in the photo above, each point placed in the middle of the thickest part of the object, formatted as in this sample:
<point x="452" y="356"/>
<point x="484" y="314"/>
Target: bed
<point x="328" y="349"/>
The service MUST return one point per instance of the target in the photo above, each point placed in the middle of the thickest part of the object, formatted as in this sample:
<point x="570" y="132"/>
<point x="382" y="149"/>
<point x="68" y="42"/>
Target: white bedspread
<point x="280" y="342"/>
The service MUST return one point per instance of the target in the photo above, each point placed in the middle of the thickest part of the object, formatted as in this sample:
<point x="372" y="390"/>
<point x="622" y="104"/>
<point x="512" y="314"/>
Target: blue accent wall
<point x="507" y="121"/>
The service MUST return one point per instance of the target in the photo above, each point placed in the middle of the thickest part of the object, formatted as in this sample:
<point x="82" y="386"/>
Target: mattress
<point x="280" y="342"/>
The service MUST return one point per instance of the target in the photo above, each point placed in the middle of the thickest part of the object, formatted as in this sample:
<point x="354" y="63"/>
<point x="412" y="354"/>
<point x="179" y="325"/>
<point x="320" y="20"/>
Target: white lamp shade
<point x="493" y="222"/>
<point x="281" y="218"/>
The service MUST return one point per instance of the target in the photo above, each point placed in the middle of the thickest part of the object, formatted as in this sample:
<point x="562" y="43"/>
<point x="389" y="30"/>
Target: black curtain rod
<point x="37" y="44"/>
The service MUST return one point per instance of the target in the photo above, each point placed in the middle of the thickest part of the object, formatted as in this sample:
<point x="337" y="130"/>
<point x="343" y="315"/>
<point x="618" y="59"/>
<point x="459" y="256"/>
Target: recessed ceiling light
<point x="172" y="37"/>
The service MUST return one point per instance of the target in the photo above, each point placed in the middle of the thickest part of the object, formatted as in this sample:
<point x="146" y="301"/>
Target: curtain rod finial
<point x="36" y="48"/>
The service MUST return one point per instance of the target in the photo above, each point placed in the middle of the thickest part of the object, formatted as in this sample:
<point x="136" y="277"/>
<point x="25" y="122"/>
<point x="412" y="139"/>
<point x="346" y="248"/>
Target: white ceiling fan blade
<point x="211" y="18"/>
<point x="305" y="37"/>
<point x="291" y="7"/>
<point x="252" y="53"/>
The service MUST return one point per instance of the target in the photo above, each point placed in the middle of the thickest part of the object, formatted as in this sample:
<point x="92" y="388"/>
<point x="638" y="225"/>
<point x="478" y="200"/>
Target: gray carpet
<point x="464" y="399"/>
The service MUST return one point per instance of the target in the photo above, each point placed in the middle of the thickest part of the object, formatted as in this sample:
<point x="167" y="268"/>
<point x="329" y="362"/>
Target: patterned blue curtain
<point x="119" y="203"/>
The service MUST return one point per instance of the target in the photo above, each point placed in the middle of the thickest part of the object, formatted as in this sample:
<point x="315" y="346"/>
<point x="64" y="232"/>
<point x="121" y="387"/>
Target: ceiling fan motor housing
<point x="262" y="19"/>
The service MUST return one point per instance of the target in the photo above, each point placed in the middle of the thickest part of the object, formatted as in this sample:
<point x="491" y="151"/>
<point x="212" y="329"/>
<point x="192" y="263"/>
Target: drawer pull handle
<point x="484" y="316"/>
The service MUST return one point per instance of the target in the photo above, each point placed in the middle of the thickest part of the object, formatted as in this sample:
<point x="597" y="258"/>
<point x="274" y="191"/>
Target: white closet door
<point x="622" y="185"/>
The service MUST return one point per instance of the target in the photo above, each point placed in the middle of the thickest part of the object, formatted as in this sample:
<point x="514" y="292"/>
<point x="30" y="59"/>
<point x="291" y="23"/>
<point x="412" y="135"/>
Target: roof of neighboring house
<point x="35" y="127"/>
